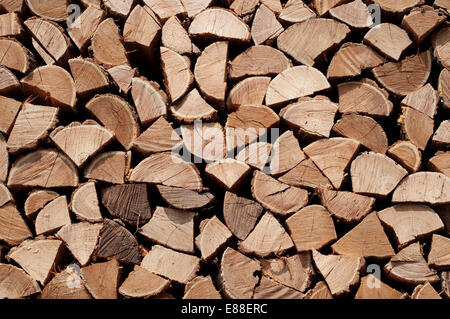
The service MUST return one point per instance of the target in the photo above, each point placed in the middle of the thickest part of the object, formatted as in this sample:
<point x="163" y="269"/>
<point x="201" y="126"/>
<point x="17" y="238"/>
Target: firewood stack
<point x="224" y="149"/>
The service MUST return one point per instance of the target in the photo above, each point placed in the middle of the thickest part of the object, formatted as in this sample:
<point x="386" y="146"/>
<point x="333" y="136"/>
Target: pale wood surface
<point x="102" y="279"/>
<point x="16" y="283"/>
<point x="142" y="283"/>
<point x="85" y="204"/>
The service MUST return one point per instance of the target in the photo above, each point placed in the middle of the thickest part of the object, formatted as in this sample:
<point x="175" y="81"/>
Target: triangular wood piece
<point x="205" y="141"/>
<point x="10" y="109"/>
<point x="213" y="236"/>
<point x="106" y="45"/>
<point x="440" y="44"/>
<point x="141" y="283"/>
<point x="89" y="77"/>
<point x="66" y="285"/>
<point x="165" y="9"/>
<point x="52" y="217"/>
<point x="177" y="73"/>
<point x="355" y="14"/>
<point x="83" y="28"/>
<point x="440" y="163"/>
<point x="269" y="289"/>
<point x="109" y="167"/>
<point x="13" y="229"/>
<point x="439" y="256"/>
<point x="265" y="26"/>
<point x="373" y="288"/>
<point x="85" y="203"/>
<point x="441" y="137"/>
<point x="159" y="137"/>
<point x="243" y="7"/>
<point x="149" y="99"/>
<point x="421" y="21"/>
<point x="102" y="279"/>
<point x="406" y="154"/>
<point x="10" y="85"/>
<point x="425" y="291"/>
<point x="185" y="199"/>
<point x="252" y="90"/>
<point x="16" y="283"/>
<point x="320" y="291"/>
<point x="418" y="135"/>
<point x="389" y="39"/>
<point x="175" y="37"/>
<point x="323" y="6"/>
<point x="424" y="100"/>
<point x="37" y="200"/>
<point x="286" y="154"/>
<point x="122" y="75"/>
<point x="201" y="288"/>
<point x="256" y="155"/>
<point x="295" y="11"/>
<point x="228" y="173"/>
<point x="5" y="195"/>
<point x="192" y="108"/>
<point x="306" y="174"/>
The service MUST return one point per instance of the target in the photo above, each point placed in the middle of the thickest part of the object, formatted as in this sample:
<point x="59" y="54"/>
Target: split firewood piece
<point x="444" y="88"/>
<point x="256" y="155"/>
<point x="270" y="289"/>
<point x="15" y="56"/>
<point x="296" y="40"/>
<point x="13" y="229"/>
<point x="51" y="84"/>
<point x="237" y="273"/>
<point x="110" y="167"/>
<point x="320" y="291"/>
<point x="89" y="77"/>
<point x="9" y="84"/>
<point x="406" y="154"/>
<point x="439" y="256"/>
<point x="279" y="198"/>
<point x="10" y="25"/>
<point x="213" y="236"/>
<point x="205" y="141"/>
<point x="4" y="159"/>
<point x="43" y="168"/>
<point x="195" y="6"/>
<point x="243" y="8"/>
<point x="417" y="127"/>
<point x="142" y="283"/>
<point x="440" y="42"/>
<point x="260" y="60"/>
<point x="55" y="10"/>
<point x="422" y="221"/>
<point x="341" y="273"/>
<point x="409" y="267"/>
<point x="421" y="21"/>
<point x="364" y="97"/>
<point x="351" y="60"/>
<point x="122" y="75"/>
<point x="159" y="137"/>
<point x="394" y="6"/>
<point x="355" y="14"/>
<point x="83" y="28"/>
<point x="154" y="170"/>
<point x="52" y="217"/>
<point x="220" y="24"/>
<point x="10" y="108"/>
<point x="5" y="195"/>
<point x="442" y="4"/>
<point x="441" y="137"/>
<point x="265" y="26"/>
<point x="367" y="240"/>
<point x="16" y="283"/>
<point x="406" y="76"/>
<point x="240" y="214"/>
<point x="168" y="263"/>
<point x="81" y="141"/>
<point x="102" y="279"/>
<point x="294" y="83"/>
<point x="295" y="11"/>
<point x="423" y="187"/>
<point x="201" y="288"/>
<point x="119" y="8"/>
<point x="177" y="73"/>
<point x="312" y="118"/>
<point x="425" y="291"/>
<point x="306" y="174"/>
<point x="424" y="100"/>
<point x="37" y="200"/>
<point x="85" y="203"/>
<point x="274" y="5"/>
<point x="346" y="206"/>
<point x="66" y="285"/>
<point x="192" y="108"/>
<point x="175" y="37"/>
<point x="149" y="99"/>
<point x="249" y="91"/>
<point x="373" y="288"/>
<point x="32" y="125"/>
<point x="286" y="154"/>
<point x="323" y="6"/>
<point x="311" y="228"/>
<point x="107" y="46"/>
<point x="388" y="39"/>
<point x="247" y="124"/>
<point x="12" y="5"/>
<point x="51" y="38"/>
<point x="185" y="199"/>
<point x="39" y="258"/>
<point x="228" y="173"/>
<point x="333" y="156"/>
<point x="165" y="9"/>
<point x="81" y="239"/>
<point x="440" y="163"/>
<point x="128" y="202"/>
<point x="445" y="282"/>
<point x="366" y="170"/>
<point x="117" y="116"/>
<point x="116" y="242"/>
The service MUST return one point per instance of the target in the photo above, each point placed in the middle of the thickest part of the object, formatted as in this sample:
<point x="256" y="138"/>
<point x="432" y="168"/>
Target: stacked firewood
<point x="224" y="149"/>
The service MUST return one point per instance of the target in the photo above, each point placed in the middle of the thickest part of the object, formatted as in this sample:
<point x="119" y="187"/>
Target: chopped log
<point x="177" y="73"/>
<point x="243" y="8"/>
<point x="81" y="240"/>
<point x="168" y="263"/>
<point x="393" y="6"/>
<point x="409" y="267"/>
<point x="12" y="5"/>
<point x="441" y="4"/>
<point x="406" y="154"/>
<point x="204" y="140"/>
<point x="81" y="141"/>
<point x="52" y="85"/>
<point x="9" y="85"/>
<point x="267" y="238"/>
<point x="52" y="217"/>
<point x="306" y="174"/>
<point x="311" y="228"/>
<point x="295" y="11"/>
<point x="320" y="291"/>
<point x="150" y="101"/>
<point x="323" y="6"/>
<point x="84" y="27"/>
<point x="213" y="236"/>
<point x="85" y="203"/>
<point x="122" y="76"/>
<point x="444" y="88"/>
<point x="128" y="202"/>
<point x="416" y="127"/>
<point x="406" y="76"/>
<point x="43" y="168"/>
<point x="286" y="154"/>
<point x="273" y="5"/>
<point x="439" y="256"/>
<point x="5" y="195"/>
<point x="32" y="125"/>
<point x="219" y="24"/>
<point x="423" y="187"/>
<point x="16" y="283"/>
<point x="355" y="14"/>
<point x="333" y="156"/>
<point x="165" y="9"/>
<point x="172" y="228"/>
<point x="66" y="285"/>
<point x="441" y="137"/>
<point x="175" y="37"/>
<point x="110" y="167"/>
<point x="185" y="199"/>
<point x="37" y="200"/>
<point x="119" y="8"/>
<point x="424" y="100"/>
<point x="341" y="273"/>
<point x="102" y="279"/>
<point x="159" y="137"/>
<point x="11" y="25"/>
<point x="153" y="170"/>
<point x="373" y="288"/>
<point x="10" y="108"/>
<point x="445" y="282"/>
<point x="421" y="22"/>
<point x="201" y="288"/>
<point x="237" y="273"/>
<point x="346" y="206"/>
<point x="440" y="163"/>
<point x="279" y="198"/>
<point x="270" y="289"/>
<point x="195" y="6"/>
<point x="441" y="46"/>
<point x="366" y="170"/>
<point x="351" y="60"/>
<point x="265" y="26"/>
<point x="107" y="46"/>
<point x="55" y="10"/>
<point x="142" y="283"/>
<point x="294" y="83"/>
<point x="389" y="39"/>
<point x="228" y="173"/>
<point x="192" y="108"/>
<point x="296" y="40"/>
<point x="425" y="291"/>
<point x="39" y="258"/>
<point x="116" y="242"/>
<point x="89" y="77"/>
<point x="4" y="159"/>
<point x="256" y="155"/>
<point x="13" y="229"/>
<point x="15" y="56"/>
<point x="422" y="221"/>
<point x="249" y="91"/>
